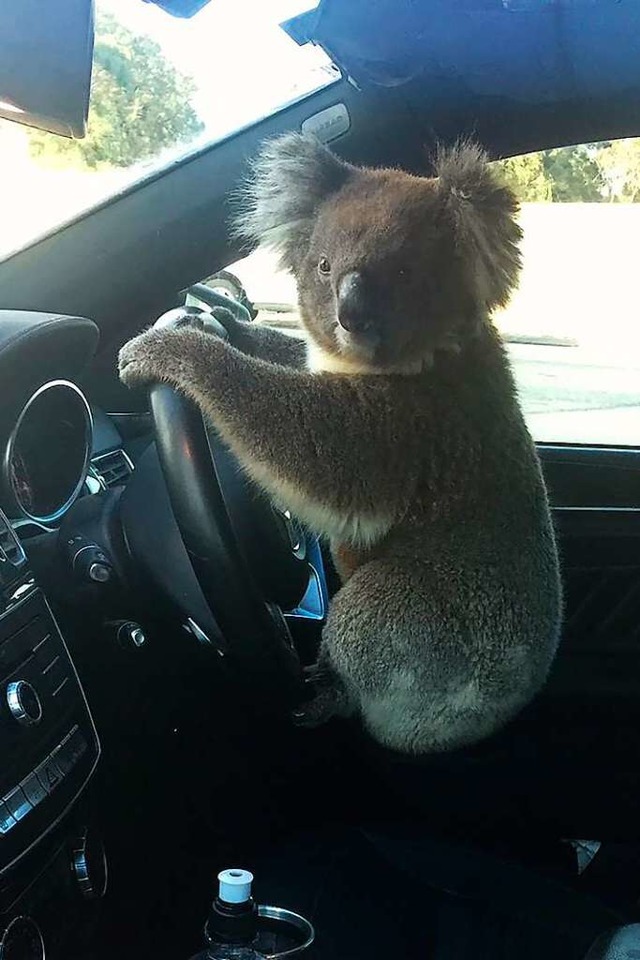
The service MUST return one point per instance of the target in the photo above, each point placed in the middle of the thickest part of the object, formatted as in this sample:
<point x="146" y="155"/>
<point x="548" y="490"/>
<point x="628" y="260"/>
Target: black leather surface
<point x="37" y="347"/>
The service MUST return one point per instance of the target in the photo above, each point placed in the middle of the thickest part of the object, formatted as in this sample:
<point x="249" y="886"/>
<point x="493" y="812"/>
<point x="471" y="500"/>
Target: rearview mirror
<point x="46" y="51"/>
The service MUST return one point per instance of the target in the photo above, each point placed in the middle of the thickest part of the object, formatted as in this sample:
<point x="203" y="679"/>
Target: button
<point x="6" y="820"/>
<point x="16" y="649"/>
<point x="45" y="651"/>
<point x="70" y="751"/>
<point x="49" y="774"/>
<point x="17" y="803"/>
<point x="54" y="671"/>
<point x="34" y="791"/>
<point x="99" y="572"/>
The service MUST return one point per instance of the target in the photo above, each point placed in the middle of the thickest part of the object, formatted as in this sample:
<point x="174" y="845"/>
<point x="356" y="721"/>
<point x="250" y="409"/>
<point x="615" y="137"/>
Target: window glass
<point x="161" y="87"/>
<point x="573" y="325"/>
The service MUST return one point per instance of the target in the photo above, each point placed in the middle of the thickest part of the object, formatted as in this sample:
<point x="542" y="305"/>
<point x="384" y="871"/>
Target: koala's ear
<point x="483" y="211"/>
<point x="291" y="177"/>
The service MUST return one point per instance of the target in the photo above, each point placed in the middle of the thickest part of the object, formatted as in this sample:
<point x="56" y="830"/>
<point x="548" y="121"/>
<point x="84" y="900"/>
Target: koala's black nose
<point x="353" y="310"/>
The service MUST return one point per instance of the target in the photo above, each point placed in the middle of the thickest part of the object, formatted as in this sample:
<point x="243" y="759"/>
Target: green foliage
<point x="587" y="173"/>
<point x="619" y="164"/>
<point x="527" y="177"/>
<point x="574" y="175"/>
<point x="140" y="105"/>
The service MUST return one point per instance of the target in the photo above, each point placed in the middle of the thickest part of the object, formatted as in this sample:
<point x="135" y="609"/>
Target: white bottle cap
<point x="235" y="886"/>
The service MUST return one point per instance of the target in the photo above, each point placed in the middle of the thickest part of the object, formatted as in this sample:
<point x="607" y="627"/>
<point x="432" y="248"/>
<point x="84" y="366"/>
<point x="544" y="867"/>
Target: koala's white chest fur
<point x="339" y="526"/>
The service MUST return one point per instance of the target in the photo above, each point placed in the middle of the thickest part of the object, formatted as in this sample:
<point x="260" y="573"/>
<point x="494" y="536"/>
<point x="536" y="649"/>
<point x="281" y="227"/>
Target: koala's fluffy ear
<point x="291" y="176"/>
<point x="483" y="210"/>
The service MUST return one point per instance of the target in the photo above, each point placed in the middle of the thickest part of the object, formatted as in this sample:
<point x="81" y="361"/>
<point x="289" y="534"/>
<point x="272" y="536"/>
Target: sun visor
<point x="180" y="8"/>
<point x="535" y="51"/>
<point x="45" y="67"/>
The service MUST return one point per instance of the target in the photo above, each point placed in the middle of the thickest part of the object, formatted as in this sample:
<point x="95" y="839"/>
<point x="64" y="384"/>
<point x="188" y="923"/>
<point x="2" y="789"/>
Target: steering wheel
<point x="248" y="555"/>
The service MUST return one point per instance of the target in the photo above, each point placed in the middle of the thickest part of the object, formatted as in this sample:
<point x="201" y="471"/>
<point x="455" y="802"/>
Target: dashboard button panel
<point x="43" y="781"/>
<point x="17" y="803"/>
<point x="45" y="764"/>
<point x="33" y="789"/>
<point x="6" y="820"/>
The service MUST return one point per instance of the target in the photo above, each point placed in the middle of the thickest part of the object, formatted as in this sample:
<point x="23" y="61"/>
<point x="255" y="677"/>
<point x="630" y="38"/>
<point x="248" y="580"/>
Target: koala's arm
<point x="324" y="444"/>
<point x="265" y="343"/>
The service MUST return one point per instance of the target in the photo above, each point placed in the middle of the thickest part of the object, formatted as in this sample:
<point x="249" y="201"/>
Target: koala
<point x="394" y="431"/>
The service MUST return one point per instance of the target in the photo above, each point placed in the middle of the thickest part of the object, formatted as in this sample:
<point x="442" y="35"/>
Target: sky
<point x="243" y="63"/>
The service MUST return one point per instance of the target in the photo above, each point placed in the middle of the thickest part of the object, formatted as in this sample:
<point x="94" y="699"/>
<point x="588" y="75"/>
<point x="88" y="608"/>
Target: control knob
<point x="89" y="865"/>
<point x="22" y="940"/>
<point x="24" y="705"/>
<point x="89" y="561"/>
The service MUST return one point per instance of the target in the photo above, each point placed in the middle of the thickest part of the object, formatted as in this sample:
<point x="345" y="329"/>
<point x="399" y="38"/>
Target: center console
<point x="48" y="743"/>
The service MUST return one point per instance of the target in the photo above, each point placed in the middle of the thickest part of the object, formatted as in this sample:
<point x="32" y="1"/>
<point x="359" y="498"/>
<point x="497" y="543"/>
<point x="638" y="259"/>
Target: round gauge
<point x="22" y="940"/>
<point x="48" y="453"/>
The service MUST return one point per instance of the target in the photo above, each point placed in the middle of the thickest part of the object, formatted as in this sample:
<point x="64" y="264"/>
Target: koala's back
<point x="448" y="626"/>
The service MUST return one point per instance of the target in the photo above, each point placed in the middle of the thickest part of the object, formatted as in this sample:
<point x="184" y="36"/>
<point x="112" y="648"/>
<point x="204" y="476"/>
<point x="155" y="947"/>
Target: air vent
<point x="112" y="469"/>
<point x="10" y="548"/>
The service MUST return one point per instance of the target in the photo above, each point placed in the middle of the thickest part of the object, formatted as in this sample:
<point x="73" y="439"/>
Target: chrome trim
<point x="16" y="707"/>
<point x="280" y="915"/>
<point x="87" y="546"/>
<point x="603" y="509"/>
<point x="25" y="522"/>
<point x="20" y="592"/>
<point x="36" y="930"/>
<point x="88" y="417"/>
<point x="109" y="453"/>
<point x="581" y="448"/>
<point x="8" y="526"/>
<point x="93" y="482"/>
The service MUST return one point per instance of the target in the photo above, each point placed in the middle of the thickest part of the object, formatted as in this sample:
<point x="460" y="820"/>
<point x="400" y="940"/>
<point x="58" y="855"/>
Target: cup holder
<point x="282" y="933"/>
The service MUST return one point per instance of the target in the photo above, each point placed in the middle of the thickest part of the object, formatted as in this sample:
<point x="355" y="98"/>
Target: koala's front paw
<point x="157" y="356"/>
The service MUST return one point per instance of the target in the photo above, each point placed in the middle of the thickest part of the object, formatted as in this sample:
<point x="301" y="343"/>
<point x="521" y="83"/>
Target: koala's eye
<point x="324" y="267"/>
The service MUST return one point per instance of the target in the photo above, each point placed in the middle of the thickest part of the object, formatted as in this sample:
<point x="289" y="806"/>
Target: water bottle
<point x="233" y="920"/>
<point x="239" y="929"/>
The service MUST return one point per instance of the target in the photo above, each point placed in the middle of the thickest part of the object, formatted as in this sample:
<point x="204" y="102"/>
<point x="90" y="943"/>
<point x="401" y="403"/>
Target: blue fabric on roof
<point x="535" y="51"/>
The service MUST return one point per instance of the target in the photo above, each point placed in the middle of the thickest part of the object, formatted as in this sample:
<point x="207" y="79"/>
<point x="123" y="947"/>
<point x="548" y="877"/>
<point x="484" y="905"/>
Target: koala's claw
<point x="316" y="712"/>
<point x="159" y="355"/>
<point x="138" y="360"/>
<point x="330" y="699"/>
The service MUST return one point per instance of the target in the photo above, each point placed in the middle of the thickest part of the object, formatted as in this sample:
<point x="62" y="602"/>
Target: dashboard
<point x="96" y="586"/>
<point x="105" y="635"/>
<point x="55" y="453"/>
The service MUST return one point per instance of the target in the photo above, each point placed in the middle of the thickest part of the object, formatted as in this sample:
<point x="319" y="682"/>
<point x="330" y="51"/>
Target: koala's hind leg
<point x="330" y="696"/>
<point x="433" y="664"/>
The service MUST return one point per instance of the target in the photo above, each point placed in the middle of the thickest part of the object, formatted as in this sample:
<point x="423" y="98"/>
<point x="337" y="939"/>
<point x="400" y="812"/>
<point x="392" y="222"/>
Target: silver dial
<point x="24" y="703"/>
<point x="89" y="865"/>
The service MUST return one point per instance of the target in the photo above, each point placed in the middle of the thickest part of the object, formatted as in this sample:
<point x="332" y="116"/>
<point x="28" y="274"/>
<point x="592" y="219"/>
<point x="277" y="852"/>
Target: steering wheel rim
<point x="211" y="500"/>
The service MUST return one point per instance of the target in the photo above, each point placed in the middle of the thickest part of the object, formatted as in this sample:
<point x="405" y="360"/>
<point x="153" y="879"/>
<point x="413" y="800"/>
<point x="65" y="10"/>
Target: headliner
<point x="516" y="73"/>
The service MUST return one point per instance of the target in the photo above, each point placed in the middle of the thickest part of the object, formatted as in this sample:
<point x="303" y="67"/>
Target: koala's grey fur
<point x="403" y="444"/>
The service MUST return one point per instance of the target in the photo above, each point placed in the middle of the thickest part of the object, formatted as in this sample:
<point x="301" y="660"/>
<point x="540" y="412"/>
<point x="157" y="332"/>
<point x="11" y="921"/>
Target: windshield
<point x="161" y="87"/>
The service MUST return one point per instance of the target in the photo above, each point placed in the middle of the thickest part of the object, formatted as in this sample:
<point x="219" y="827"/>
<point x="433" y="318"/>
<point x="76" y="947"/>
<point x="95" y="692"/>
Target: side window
<point x="572" y="328"/>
